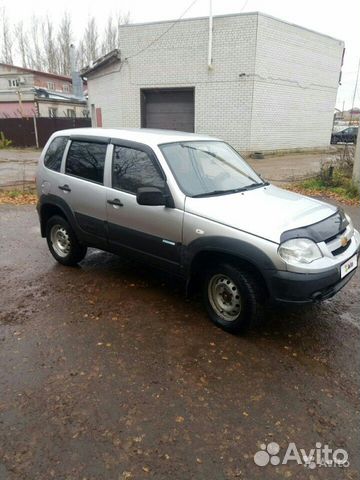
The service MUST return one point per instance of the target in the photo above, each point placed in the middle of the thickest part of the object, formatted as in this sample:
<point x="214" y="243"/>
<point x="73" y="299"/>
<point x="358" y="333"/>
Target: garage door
<point x="169" y="109"/>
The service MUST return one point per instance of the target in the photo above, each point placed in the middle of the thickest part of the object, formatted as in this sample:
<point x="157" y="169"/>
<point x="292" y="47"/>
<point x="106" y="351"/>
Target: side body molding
<point x="89" y="238"/>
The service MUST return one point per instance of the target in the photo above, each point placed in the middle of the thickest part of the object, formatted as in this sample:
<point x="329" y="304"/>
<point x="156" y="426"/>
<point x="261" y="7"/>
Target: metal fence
<point x="35" y="131"/>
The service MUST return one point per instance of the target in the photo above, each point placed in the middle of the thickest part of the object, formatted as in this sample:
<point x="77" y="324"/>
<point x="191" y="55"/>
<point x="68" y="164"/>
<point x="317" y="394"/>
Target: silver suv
<point x="191" y="205"/>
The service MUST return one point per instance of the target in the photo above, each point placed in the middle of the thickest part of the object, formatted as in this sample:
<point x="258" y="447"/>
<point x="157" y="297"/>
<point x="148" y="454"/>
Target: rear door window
<point x="86" y="160"/>
<point x="54" y="153"/>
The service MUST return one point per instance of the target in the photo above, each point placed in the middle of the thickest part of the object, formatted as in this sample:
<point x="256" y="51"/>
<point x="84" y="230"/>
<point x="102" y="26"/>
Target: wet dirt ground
<point x="107" y="372"/>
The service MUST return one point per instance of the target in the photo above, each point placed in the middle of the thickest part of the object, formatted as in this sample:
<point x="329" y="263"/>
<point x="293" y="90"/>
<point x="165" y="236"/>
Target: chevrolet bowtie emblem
<point x="344" y="241"/>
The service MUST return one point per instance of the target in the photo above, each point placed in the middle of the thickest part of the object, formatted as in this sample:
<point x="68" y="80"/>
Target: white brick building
<point x="272" y="85"/>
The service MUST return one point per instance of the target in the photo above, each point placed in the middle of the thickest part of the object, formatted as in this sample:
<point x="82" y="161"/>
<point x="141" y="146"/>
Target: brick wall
<point x="222" y="102"/>
<point x="295" y="86"/>
<point x="290" y="80"/>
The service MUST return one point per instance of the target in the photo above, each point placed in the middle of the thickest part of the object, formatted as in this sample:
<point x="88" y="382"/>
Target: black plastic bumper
<point x="289" y="287"/>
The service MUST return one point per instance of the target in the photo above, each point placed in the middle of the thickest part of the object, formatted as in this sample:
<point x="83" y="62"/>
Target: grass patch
<point x="342" y="189"/>
<point x="18" y="197"/>
<point x="334" y="180"/>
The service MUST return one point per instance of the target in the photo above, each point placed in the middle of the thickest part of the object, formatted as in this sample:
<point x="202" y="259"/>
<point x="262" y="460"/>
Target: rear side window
<point x="54" y="153"/>
<point x="133" y="169"/>
<point x="86" y="160"/>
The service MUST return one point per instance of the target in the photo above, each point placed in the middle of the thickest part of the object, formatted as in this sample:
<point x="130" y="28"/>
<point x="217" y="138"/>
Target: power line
<point x="244" y="6"/>
<point x="164" y="33"/>
<point x="355" y="90"/>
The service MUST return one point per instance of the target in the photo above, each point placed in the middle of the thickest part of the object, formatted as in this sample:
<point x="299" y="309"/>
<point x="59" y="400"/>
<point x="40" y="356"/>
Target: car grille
<point x="340" y="250"/>
<point x="335" y="243"/>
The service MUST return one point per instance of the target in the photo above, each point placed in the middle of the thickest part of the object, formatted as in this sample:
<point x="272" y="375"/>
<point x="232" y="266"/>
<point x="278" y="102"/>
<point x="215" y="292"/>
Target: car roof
<point x="141" y="135"/>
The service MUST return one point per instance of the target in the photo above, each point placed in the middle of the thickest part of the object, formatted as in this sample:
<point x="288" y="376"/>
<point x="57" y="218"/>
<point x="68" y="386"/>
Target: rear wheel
<point x="62" y="242"/>
<point x="234" y="298"/>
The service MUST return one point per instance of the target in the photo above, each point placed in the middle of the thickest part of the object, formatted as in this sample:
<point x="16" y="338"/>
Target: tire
<point x="62" y="242"/>
<point x="237" y="293"/>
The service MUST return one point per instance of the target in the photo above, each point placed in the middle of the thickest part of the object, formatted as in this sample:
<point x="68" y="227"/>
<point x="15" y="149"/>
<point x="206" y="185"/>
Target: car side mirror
<point x="150" y="196"/>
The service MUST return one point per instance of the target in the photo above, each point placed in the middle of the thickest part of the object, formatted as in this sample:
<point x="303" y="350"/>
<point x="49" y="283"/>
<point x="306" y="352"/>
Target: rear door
<point x="155" y="231"/>
<point x="81" y="185"/>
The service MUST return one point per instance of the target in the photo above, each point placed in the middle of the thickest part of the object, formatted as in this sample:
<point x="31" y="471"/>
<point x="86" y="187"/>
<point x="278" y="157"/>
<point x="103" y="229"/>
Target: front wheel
<point x="62" y="242"/>
<point x="234" y="298"/>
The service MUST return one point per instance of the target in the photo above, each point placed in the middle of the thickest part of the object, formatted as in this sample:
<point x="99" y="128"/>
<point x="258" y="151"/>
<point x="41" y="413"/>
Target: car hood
<point x="266" y="211"/>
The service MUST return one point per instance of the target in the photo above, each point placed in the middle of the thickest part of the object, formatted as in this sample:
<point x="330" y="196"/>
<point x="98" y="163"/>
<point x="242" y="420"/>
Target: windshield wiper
<point x="256" y="185"/>
<point x="232" y="190"/>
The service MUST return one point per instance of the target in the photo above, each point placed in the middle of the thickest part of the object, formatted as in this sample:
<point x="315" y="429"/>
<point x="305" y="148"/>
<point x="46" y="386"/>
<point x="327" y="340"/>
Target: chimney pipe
<point x="77" y="84"/>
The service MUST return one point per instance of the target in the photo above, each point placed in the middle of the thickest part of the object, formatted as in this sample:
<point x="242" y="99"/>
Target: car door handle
<point x="65" y="188"/>
<point x="116" y="202"/>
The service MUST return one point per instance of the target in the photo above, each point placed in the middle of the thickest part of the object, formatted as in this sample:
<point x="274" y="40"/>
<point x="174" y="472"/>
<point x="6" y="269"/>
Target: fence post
<point x="36" y="132"/>
<point x="356" y="168"/>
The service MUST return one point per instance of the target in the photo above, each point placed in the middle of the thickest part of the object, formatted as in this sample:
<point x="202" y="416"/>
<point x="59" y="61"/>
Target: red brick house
<point x="26" y="93"/>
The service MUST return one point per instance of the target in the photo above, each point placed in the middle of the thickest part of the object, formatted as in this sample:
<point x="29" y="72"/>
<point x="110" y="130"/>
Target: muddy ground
<point x="107" y="372"/>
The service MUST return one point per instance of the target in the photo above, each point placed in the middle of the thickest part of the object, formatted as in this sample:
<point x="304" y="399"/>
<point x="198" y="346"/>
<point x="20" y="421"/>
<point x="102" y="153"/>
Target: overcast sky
<point x="337" y="19"/>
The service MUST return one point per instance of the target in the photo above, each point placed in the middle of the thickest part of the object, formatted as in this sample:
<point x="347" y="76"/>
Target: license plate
<point x="348" y="266"/>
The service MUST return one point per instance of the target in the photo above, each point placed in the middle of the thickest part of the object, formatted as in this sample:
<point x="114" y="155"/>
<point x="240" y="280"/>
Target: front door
<point x="154" y="231"/>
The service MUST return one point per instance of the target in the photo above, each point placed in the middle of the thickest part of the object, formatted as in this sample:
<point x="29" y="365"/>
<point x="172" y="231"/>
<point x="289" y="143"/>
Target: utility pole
<point x="356" y="167"/>
<point x="210" y="66"/>
<point x="20" y="102"/>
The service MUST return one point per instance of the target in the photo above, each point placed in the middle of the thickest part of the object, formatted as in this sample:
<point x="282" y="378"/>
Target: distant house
<point x="26" y="93"/>
<point x="268" y="85"/>
<point x="352" y="115"/>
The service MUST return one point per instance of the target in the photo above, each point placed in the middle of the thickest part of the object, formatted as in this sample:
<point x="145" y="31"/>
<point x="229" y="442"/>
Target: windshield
<point x="205" y="168"/>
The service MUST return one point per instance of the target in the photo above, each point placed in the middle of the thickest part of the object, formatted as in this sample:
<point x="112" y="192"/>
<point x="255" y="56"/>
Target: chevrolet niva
<point x="191" y="205"/>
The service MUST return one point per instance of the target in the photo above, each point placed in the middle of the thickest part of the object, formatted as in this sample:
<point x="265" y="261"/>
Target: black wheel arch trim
<point x="54" y="201"/>
<point x="216" y="245"/>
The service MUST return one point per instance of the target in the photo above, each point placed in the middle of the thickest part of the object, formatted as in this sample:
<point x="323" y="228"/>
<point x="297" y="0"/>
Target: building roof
<point x="30" y="70"/>
<point x="141" y="135"/>
<point x="45" y="94"/>
<point x="105" y="60"/>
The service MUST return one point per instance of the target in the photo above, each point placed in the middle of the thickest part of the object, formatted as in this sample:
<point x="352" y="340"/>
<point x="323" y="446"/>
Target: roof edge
<point x="107" y="59"/>
<point x="31" y="70"/>
<point x="226" y="15"/>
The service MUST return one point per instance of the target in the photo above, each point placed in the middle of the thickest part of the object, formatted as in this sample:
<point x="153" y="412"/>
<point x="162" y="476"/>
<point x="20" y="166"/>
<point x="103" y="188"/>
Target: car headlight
<point x="299" y="250"/>
<point x="351" y="225"/>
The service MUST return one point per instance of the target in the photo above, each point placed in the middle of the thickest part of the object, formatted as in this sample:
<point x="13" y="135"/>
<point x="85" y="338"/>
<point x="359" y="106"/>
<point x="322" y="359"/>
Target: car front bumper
<point x="290" y="287"/>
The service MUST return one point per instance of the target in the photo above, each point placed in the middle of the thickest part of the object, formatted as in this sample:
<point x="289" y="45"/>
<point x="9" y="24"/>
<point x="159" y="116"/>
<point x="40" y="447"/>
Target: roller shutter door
<point x="171" y="109"/>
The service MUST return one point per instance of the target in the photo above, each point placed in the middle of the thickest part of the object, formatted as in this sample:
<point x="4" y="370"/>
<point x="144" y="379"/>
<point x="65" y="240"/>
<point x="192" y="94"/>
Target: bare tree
<point x="64" y="38"/>
<point x="111" y="33"/>
<point x="80" y="55"/>
<point x="51" y="58"/>
<point x="36" y="59"/>
<point x="122" y="18"/>
<point x="6" y="37"/>
<point x="22" y="43"/>
<point x="90" y="42"/>
<point x="110" y="40"/>
<point x="43" y="45"/>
